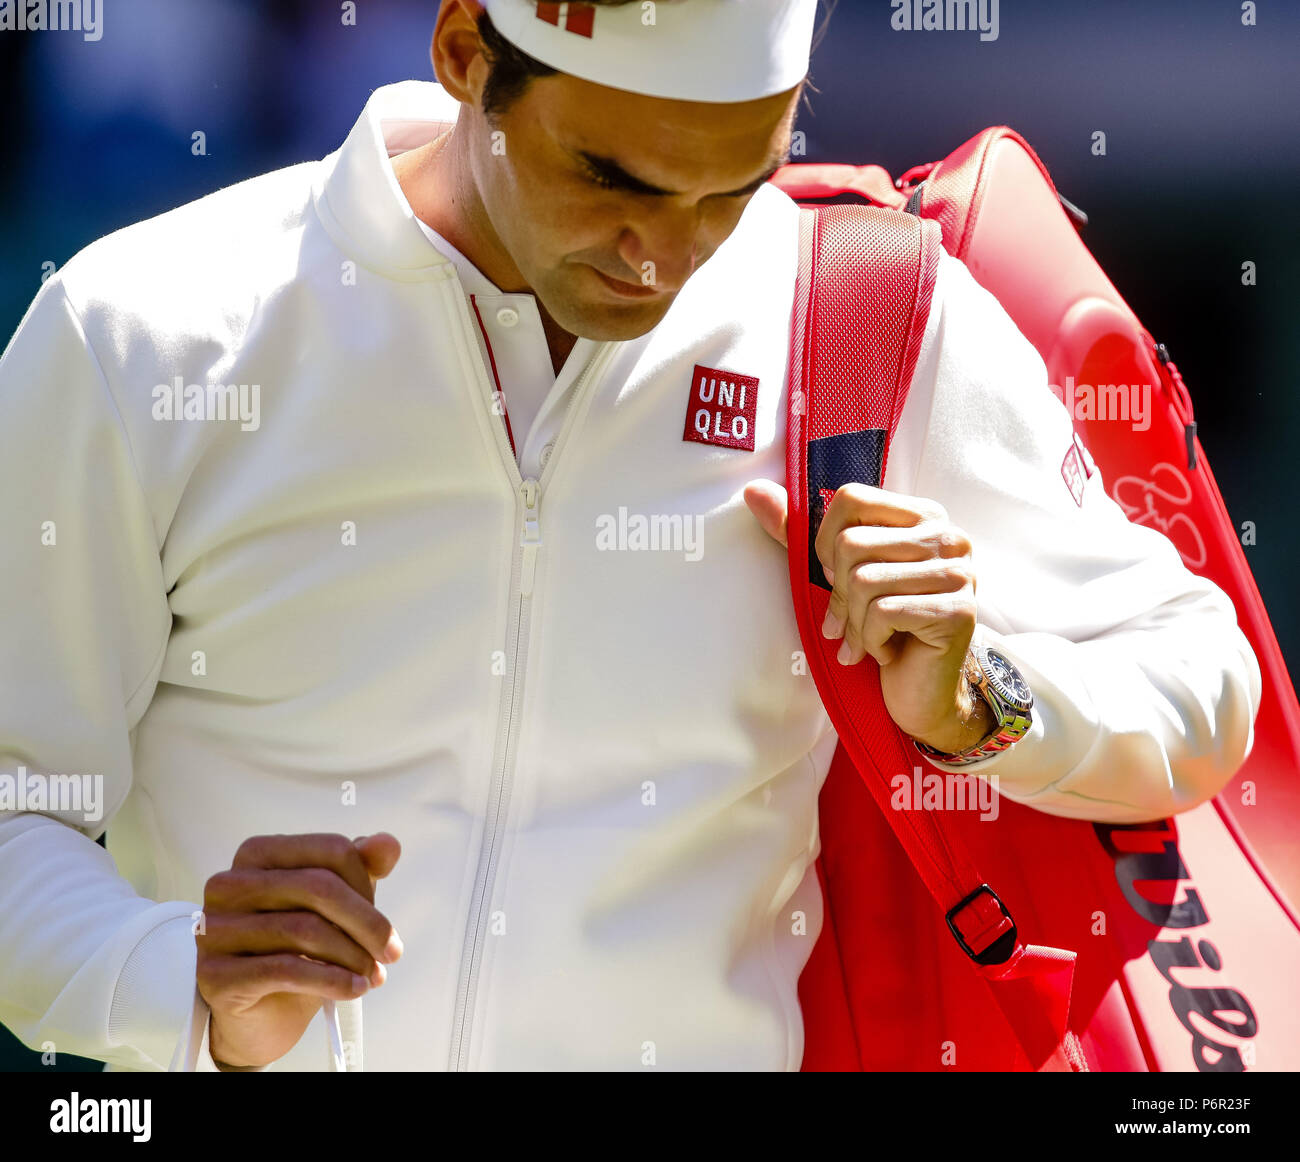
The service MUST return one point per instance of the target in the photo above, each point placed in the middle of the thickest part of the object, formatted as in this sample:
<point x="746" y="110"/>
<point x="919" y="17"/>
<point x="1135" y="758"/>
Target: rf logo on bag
<point x="721" y="408"/>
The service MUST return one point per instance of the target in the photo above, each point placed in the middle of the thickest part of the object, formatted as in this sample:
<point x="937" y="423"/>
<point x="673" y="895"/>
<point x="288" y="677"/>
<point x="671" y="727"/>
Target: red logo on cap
<point x="579" y="18"/>
<point x="721" y="408"/>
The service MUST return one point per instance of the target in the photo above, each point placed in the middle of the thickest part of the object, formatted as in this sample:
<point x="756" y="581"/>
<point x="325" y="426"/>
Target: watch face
<point x="1006" y="681"/>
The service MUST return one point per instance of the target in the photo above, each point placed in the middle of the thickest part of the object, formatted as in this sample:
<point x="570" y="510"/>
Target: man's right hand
<point x="291" y="924"/>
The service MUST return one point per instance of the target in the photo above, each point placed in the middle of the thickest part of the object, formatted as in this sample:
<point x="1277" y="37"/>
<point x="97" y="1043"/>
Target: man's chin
<point x="616" y="322"/>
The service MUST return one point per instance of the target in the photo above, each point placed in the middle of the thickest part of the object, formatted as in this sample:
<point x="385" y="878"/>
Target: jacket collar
<point x="356" y="193"/>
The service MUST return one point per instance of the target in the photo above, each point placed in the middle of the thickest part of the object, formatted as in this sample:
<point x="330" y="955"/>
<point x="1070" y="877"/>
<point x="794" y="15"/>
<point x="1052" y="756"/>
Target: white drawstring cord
<point x="343" y="1028"/>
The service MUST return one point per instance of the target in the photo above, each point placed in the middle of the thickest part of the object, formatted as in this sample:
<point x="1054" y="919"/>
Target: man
<point x="462" y="574"/>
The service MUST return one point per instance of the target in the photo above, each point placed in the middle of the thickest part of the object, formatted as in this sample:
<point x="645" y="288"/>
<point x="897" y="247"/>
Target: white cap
<point x="690" y="50"/>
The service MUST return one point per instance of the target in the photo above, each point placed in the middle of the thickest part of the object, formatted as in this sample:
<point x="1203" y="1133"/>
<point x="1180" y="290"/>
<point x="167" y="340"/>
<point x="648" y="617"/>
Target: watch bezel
<point x="997" y="685"/>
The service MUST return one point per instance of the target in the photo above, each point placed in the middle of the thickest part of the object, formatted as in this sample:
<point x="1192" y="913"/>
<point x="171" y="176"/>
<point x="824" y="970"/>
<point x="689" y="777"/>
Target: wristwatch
<point x="1003" y="687"/>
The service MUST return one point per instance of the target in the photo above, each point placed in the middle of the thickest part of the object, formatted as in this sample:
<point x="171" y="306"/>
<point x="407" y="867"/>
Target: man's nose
<point x="661" y="249"/>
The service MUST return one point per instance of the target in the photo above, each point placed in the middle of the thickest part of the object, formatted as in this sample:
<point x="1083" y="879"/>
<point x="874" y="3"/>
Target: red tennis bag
<point x="1056" y="944"/>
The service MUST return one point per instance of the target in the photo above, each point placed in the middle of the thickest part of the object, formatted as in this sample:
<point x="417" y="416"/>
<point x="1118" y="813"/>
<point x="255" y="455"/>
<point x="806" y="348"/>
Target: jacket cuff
<point x="153" y="996"/>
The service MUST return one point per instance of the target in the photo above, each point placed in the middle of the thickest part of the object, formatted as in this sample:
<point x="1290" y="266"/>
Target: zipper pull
<point x="531" y="535"/>
<point x="1182" y="403"/>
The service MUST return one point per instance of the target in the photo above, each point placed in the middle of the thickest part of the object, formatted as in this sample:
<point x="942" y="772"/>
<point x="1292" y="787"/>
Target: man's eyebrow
<point x="611" y="172"/>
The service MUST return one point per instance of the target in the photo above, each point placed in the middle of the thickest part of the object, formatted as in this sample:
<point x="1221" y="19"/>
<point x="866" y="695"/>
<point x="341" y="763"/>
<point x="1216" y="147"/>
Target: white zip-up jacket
<point x="353" y="612"/>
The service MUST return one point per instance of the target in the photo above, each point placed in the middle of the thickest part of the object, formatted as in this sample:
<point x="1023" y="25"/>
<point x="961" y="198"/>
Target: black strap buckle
<point x="1001" y="948"/>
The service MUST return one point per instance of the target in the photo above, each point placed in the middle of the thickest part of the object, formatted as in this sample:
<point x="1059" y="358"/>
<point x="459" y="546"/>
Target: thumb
<point x="379" y="852"/>
<point x="769" y="503"/>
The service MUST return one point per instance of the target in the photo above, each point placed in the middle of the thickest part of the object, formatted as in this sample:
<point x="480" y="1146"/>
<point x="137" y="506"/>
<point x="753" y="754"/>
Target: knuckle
<point x="220" y="888"/>
<point x="945" y="540"/>
<point x="254" y="851"/>
<point x="959" y="615"/>
<point x="215" y="976"/>
<point x="379" y="928"/>
<point x="959" y="574"/>
<point x="272" y="970"/>
<point x="843" y="546"/>
<point x="883" y="607"/>
<point x="319" y="883"/>
<point x="212" y="930"/>
<point x="875" y="572"/>
<point x="301" y="929"/>
<point x="210" y="985"/>
<point x="383" y="929"/>
<point x="854" y="493"/>
<point x="212" y="890"/>
<point x="338" y="847"/>
<point x="957" y="541"/>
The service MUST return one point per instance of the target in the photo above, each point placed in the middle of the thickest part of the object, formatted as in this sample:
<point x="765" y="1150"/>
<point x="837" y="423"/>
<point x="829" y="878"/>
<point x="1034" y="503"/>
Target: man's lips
<point x="627" y="290"/>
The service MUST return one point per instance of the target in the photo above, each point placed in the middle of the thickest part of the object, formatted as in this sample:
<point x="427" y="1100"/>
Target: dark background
<point x="1202" y="172"/>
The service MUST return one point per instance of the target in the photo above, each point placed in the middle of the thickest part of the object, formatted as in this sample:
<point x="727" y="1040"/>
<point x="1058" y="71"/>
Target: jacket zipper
<point x="523" y="573"/>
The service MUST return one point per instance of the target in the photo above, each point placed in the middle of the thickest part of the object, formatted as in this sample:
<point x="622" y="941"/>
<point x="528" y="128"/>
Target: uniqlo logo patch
<point x="721" y="408"/>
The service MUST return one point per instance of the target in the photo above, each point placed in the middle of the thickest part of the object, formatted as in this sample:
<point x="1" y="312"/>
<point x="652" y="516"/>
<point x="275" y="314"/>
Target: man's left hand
<point x="903" y="592"/>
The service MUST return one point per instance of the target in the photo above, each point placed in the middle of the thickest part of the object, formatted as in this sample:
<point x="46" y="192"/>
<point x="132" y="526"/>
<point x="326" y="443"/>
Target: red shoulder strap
<point x="866" y="276"/>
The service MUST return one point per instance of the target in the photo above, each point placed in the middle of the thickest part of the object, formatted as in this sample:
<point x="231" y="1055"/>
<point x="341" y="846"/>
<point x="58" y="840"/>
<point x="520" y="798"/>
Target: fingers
<point x="943" y="621"/>
<point x="857" y="543"/>
<point x="862" y="504"/>
<point x="864" y="583"/>
<point x="235" y="983"/>
<point x="336" y="853"/>
<point x="897" y="566"/>
<point x="313" y="889"/>
<point x="301" y="933"/>
<point x="295" y="914"/>
<point x="379" y="853"/>
<point x="769" y="503"/>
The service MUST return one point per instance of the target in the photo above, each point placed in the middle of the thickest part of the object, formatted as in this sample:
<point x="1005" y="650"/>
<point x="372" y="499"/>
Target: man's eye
<point x="599" y="179"/>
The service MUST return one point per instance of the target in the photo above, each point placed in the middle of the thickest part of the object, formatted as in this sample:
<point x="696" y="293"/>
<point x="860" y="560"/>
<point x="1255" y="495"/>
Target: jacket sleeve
<point x="1145" y="689"/>
<point x="87" y="966"/>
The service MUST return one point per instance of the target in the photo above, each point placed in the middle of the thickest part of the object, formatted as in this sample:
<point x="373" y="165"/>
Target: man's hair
<point x="510" y="70"/>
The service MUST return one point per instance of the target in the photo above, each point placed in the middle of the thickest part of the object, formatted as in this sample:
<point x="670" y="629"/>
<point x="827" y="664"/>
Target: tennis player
<point x="396" y="537"/>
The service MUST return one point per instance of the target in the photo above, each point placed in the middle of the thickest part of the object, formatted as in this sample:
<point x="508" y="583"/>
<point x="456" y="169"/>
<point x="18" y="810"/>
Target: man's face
<point x="606" y="201"/>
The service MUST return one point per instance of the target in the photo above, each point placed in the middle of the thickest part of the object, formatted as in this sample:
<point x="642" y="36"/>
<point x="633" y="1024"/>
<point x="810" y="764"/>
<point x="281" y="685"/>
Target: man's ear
<point x="456" y="51"/>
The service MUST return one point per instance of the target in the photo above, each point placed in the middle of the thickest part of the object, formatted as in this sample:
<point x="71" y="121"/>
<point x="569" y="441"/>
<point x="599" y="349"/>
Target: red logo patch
<point x="579" y="18"/>
<point x="1089" y="464"/>
<point x="1074" y="473"/>
<point x="721" y="408"/>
